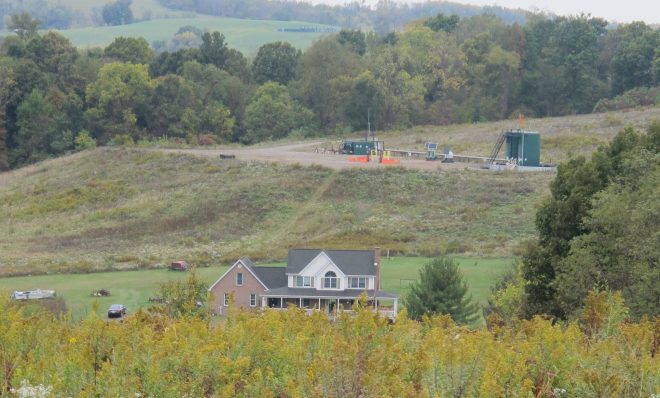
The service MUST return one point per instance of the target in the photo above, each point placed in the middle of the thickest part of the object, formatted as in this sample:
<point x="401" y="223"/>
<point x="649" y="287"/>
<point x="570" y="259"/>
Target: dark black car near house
<point x="116" y="311"/>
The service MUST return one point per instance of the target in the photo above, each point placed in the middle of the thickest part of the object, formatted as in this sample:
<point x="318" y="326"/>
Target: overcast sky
<point x="612" y="10"/>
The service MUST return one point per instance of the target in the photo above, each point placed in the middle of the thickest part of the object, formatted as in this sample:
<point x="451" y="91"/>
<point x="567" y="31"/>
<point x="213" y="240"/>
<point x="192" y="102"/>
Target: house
<point x="314" y="279"/>
<point x="246" y="282"/>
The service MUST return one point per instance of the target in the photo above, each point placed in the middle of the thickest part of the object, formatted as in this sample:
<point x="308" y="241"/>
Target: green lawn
<point x="242" y="34"/>
<point x="133" y="288"/>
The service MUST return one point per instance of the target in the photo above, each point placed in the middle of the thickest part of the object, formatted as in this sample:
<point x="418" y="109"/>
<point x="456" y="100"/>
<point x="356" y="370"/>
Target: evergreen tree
<point x="441" y="289"/>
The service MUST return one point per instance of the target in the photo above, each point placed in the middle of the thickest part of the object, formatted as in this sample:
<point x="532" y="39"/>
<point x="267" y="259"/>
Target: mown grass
<point x="242" y="34"/>
<point x="133" y="288"/>
<point x="125" y="209"/>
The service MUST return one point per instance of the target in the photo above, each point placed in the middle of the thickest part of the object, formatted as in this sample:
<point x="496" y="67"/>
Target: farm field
<point x="242" y="34"/>
<point x="133" y="288"/>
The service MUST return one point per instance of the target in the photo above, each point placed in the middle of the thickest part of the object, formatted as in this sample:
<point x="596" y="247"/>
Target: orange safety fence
<point x="390" y="161"/>
<point x="359" y="159"/>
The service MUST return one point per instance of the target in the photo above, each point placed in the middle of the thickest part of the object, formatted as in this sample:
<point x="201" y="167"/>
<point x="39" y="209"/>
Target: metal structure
<point x="431" y="148"/>
<point x="522" y="147"/>
<point x="360" y="147"/>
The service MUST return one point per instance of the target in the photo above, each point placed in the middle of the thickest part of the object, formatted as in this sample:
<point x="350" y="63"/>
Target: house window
<point x="304" y="281"/>
<point x="253" y="300"/>
<point x="357" y="282"/>
<point x="226" y="299"/>
<point x="330" y="281"/>
<point x="239" y="279"/>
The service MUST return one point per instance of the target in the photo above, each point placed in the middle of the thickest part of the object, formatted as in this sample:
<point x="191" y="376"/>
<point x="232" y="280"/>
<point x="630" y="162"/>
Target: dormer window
<point x="239" y="279"/>
<point x="330" y="281"/>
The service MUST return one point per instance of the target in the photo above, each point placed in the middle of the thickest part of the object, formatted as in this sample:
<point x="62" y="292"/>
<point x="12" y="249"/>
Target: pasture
<point x="242" y="34"/>
<point x="133" y="288"/>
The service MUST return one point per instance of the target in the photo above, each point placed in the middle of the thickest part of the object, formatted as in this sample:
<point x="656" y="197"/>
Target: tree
<point x="272" y="114"/>
<point x="565" y="217"/>
<point x="40" y="131"/>
<point x="441" y="289"/>
<point x="355" y="40"/>
<point x="443" y="23"/>
<point x="118" y="13"/>
<point x="130" y="49"/>
<point x="118" y="100"/>
<point x="275" y="62"/>
<point x="632" y="63"/>
<point x="24" y="25"/>
<point x="185" y="298"/>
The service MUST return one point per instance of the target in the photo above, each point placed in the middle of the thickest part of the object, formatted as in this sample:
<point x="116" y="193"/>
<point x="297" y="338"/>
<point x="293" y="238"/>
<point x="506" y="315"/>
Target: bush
<point x="84" y="141"/>
<point x="640" y="96"/>
<point x="121" y="140"/>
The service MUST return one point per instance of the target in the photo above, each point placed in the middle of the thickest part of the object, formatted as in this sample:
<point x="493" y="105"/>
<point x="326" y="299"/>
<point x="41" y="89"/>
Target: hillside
<point x="114" y="208"/>
<point x="242" y="34"/>
<point x="117" y="208"/>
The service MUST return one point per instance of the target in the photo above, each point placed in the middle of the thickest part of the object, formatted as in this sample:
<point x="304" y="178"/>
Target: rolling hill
<point x="127" y="208"/>
<point x="242" y="34"/>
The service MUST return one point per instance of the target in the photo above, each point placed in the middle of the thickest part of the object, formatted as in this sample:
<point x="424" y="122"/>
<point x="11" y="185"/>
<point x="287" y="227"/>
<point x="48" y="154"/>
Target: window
<point x="226" y="299"/>
<point x="239" y="279"/>
<point x="304" y="281"/>
<point x="330" y="280"/>
<point x="357" y="282"/>
<point x="253" y="300"/>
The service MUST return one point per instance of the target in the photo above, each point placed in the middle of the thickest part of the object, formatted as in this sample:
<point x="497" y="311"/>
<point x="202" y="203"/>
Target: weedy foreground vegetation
<point x="290" y="354"/>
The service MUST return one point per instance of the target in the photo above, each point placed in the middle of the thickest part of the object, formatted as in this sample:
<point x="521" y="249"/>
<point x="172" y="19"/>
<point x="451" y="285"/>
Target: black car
<point x="116" y="311"/>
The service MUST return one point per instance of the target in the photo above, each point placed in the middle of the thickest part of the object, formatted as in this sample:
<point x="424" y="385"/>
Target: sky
<point x="611" y="10"/>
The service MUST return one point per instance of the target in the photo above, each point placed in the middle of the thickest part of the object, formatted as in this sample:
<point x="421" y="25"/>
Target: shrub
<point x="84" y="141"/>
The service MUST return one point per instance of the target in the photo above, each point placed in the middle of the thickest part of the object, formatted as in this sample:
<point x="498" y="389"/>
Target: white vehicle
<point x="33" y="294"/>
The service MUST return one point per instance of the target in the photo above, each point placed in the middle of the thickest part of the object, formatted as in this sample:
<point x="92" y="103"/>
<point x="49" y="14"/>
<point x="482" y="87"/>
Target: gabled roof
<point x="351" y="262"/>
<point x="248" y="264"/>
<point x="272" y="277"/>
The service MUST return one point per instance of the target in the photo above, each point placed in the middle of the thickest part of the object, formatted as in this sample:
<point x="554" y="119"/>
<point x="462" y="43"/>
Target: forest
<point x="438" y="70"/>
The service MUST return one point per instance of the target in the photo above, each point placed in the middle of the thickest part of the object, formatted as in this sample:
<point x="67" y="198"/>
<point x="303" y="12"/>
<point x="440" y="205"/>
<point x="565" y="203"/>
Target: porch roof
<point x="288" y="292"/>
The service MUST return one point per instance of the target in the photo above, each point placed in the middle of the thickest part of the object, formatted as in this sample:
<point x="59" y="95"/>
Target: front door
<point x="331" y="306"/>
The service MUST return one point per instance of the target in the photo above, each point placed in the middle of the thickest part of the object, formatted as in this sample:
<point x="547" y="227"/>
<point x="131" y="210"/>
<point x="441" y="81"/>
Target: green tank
<point x="524" y="147"/>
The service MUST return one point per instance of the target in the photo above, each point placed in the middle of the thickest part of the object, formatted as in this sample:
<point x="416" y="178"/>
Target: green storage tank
<point x="524" y="147"/>
<point x="360" y="147"/>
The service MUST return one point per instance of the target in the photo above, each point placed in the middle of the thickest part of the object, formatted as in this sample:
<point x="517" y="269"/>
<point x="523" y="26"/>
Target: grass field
<point x="118" y="209"/>
<point x="133" y="288"/>
<point x="242" y="34"/>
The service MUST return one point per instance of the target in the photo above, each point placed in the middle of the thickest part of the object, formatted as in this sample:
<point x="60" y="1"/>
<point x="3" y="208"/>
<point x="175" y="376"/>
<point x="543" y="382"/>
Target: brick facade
<point x="227" y="285"/>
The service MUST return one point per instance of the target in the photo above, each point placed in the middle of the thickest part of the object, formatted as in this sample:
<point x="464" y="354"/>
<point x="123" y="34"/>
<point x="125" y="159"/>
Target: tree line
<point x="439" y="70"/>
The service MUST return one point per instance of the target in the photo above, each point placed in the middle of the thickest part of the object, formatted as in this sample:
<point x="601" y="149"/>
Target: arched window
<point x="330" y="281"/>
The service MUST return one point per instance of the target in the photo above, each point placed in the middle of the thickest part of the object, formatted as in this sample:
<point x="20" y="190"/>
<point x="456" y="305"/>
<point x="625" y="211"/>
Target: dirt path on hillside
<point x="305" y="154"/>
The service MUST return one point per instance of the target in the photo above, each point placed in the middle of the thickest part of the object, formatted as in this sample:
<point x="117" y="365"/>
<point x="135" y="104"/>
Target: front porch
<point x="386" y="306"/>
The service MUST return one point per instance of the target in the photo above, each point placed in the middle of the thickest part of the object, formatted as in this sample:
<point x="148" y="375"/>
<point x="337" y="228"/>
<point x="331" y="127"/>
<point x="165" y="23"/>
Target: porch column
<point x="299" y="302"/>
<point x="263" y="302"/>
<point x="281" y="302"/>
<point x="396" y="307"/>
<point x="319" y="307"/>
<point x="337" y="307"/>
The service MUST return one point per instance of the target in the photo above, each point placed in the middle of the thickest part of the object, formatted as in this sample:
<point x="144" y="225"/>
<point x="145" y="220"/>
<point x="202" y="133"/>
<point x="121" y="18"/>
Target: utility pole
<point x="368" y="123"/>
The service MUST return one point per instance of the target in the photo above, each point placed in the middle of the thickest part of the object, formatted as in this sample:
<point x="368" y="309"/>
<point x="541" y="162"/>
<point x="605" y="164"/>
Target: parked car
<point x="116" y="311"/>
<point x="179" y="266"/>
